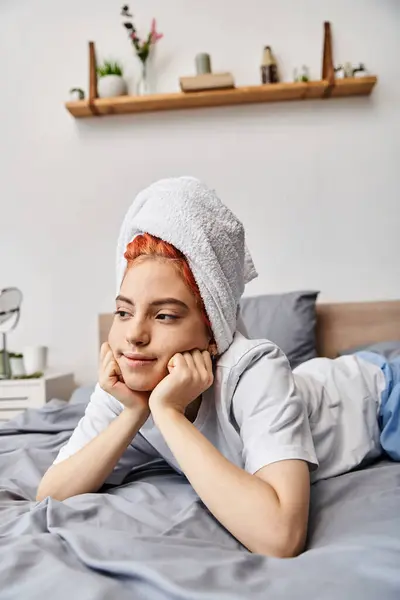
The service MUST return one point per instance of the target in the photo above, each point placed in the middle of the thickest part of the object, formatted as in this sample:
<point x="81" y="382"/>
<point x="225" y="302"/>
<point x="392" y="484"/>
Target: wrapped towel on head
<point x="190" y="216"/>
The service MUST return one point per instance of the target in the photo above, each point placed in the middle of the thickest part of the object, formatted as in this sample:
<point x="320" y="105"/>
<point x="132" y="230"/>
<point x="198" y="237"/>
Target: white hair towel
<point x="190" y="216"/>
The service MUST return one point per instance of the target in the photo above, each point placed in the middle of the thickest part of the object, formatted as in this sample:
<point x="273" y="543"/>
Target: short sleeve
<point x="101" y="410"/>
<point x="271" y="415"/>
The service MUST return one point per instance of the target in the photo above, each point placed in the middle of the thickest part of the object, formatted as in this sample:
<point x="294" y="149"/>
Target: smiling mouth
<point x="138" y="361"/>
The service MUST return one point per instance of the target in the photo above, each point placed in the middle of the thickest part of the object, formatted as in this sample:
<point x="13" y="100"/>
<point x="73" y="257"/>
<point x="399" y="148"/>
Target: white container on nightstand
<point x="16" y="395"/>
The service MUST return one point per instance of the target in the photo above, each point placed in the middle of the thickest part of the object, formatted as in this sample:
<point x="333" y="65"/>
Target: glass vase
<point x="142" y="86"/>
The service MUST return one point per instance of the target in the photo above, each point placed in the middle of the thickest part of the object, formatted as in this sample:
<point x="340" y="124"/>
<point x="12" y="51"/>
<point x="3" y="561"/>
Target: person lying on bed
<point x="178" y="381"/>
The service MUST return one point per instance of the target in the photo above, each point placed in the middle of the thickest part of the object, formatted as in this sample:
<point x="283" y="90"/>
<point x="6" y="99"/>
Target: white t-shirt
<point x="343" y="399"/>
<point x="258" y="412"/>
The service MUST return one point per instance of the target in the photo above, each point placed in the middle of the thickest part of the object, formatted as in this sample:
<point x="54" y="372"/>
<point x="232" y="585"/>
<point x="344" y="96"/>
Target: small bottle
<point x="269" y="68"/>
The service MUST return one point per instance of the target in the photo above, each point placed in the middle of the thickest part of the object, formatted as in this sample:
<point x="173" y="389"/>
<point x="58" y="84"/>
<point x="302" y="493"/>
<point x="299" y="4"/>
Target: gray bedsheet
<point x="151" y="538"/>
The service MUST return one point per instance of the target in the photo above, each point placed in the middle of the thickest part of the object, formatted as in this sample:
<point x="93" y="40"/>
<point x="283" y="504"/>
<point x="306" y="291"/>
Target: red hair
<point x="148" y="245"/>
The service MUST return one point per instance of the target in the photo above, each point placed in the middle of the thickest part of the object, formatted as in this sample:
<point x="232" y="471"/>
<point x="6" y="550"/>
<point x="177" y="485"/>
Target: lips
<point x="138" y="356"/>
<point x="138" y="360"/>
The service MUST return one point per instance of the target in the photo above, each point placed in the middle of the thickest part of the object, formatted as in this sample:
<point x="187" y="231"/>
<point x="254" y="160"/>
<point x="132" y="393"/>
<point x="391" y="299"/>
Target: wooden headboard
<point x="339" y="326"/>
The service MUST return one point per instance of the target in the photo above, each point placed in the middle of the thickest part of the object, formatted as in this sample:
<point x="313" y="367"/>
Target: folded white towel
<point x="190" y="216"/>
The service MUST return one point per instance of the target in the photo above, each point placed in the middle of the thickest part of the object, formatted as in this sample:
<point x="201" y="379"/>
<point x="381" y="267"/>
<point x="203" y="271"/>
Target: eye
<point x="122" y="314"/>
<point x="165" y="317"/>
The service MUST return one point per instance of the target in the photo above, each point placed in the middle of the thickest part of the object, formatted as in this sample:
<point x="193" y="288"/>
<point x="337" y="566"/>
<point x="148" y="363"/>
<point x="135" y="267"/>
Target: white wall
<point x="316" y="184"/>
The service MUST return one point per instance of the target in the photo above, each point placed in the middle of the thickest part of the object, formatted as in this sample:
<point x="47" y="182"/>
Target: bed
<point x="151" y="538"/>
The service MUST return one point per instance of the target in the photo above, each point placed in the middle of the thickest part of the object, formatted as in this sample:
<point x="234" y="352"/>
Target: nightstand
<point x="16" y="395"/>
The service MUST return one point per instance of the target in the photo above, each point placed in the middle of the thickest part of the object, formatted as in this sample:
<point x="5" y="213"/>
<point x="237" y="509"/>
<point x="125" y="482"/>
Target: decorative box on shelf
<point x="16" y="395"/>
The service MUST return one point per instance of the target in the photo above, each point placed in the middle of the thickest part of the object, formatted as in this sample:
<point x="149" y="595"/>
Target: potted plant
<point x="16" y="364"/>
<point x="76" y="94"/>
<point x="110" y="80"/>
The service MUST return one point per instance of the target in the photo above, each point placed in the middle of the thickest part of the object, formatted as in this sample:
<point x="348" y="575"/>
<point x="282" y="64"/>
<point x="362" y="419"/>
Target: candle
<point x="203" y="63"/>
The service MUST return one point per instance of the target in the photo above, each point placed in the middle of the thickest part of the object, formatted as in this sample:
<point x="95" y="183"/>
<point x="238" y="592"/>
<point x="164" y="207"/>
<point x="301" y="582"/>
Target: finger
<point x="105" y="347"/>
<point x="208" y="361"/>
<point x="104" y="354"/>
<point x="188" y="356"/>
<point x="209" y="365"/>
<point x="108" y="375"/>
<point x="111" y="370"/>
<point x="117" y="370"/>
<point x="109" y="358"/>
<point x="176" y="360"/>
<point x="199" y="362"/>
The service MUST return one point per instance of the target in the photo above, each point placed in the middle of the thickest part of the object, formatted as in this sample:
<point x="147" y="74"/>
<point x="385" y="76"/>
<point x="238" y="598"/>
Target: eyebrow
<point x="160" y="302"/>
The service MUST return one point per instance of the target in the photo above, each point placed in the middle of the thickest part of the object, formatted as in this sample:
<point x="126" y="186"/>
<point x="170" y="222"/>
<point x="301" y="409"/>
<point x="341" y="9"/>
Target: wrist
<point x="162" y="412"/>
<point x="137" y="414"/>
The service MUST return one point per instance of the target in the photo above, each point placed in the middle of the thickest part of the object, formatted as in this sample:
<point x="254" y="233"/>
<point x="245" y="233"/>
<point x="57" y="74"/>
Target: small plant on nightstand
<point x="4" y="364"/>
<point x="16" y="364"/>
<point x="110" y="80"/>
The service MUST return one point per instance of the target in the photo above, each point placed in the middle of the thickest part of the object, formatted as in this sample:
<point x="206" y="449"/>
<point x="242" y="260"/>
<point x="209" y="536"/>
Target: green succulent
<point x="110" y="68"/>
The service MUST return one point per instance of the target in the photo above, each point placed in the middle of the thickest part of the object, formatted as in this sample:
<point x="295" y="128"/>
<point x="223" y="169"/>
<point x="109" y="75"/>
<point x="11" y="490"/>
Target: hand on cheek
<point x="189" y="375"/>
<point x="112" y="382"/>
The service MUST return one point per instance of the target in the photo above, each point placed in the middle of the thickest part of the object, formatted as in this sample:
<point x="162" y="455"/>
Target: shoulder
<point x="243" y="352"/>
<point x="258" y="358"/>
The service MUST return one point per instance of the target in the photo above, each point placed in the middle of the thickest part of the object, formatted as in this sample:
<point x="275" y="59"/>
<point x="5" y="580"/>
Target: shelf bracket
<point x="328" y="70"/>
<point x="92" y="80"/>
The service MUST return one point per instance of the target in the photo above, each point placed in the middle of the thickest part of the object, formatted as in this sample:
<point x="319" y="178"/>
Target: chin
<point x="140" y="383"/>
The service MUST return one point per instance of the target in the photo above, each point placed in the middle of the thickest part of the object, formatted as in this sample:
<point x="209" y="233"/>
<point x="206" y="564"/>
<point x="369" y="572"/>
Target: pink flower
<point x="133" y="36"/>
<point x="155" y="36"/>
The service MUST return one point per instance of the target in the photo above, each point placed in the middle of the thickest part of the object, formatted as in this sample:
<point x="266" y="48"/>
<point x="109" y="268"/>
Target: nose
<point x="137" y="333"/>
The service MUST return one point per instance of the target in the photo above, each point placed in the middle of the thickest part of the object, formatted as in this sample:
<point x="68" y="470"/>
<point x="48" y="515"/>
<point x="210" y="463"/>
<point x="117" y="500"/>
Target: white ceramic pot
<point x="17" y="366"/>
<point x="35" y="359"/>
<point x="111" y="86"/>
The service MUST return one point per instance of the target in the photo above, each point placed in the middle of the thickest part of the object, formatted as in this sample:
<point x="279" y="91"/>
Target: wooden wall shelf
<point x="278" y="92"/>
<point x="327" y="87"/>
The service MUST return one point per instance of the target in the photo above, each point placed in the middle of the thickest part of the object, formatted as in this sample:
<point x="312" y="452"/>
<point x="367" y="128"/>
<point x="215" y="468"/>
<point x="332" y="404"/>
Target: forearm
<point x="87" y="470"/>
<point x="247" y="506"/>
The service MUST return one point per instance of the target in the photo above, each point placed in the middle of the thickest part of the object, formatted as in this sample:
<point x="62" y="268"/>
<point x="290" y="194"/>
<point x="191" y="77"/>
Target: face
<point x="156" y="317"/>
